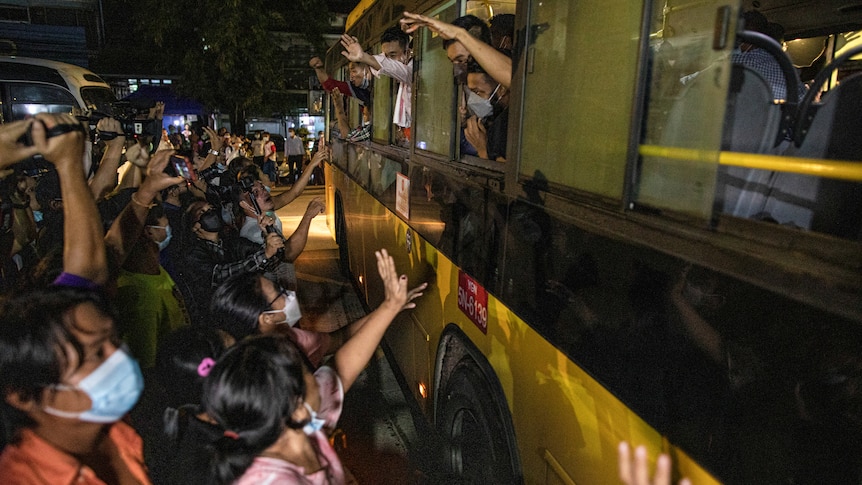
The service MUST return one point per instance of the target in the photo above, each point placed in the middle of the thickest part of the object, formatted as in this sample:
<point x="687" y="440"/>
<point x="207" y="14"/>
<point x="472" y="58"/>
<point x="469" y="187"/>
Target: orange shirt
<point x="34" y="461"/>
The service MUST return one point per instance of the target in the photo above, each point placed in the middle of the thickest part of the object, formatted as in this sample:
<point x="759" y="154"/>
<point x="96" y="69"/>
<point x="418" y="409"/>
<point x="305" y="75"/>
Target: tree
<point x="225" y="51"/>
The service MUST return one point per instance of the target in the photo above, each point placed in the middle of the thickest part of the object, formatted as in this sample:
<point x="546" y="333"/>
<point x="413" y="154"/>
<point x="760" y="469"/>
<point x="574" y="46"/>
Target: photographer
<point x="213" y="255"/>
<point x="260" y="221"/>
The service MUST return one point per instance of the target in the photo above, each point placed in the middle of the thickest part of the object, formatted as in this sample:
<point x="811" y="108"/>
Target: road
<point x="377" y="437"/>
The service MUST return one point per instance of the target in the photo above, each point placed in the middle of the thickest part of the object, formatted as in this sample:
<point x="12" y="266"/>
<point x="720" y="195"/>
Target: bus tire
<point x="475" y="442"/>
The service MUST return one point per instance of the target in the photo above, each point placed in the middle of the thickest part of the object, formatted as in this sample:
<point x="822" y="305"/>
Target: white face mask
<point x="315" y="424"/>
<point x="480" y="106"/>
<point x="291" y="311"/>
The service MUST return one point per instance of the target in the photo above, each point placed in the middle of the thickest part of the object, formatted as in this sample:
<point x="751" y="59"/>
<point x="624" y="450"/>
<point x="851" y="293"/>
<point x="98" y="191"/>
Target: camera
<point x="133" y="117"/>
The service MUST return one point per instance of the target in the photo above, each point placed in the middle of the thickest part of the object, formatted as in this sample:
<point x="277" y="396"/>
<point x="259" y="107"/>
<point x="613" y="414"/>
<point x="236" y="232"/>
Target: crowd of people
<point x="480" y="53"/>
<point x="145" y="312"/>
<point x="148" y="322"/>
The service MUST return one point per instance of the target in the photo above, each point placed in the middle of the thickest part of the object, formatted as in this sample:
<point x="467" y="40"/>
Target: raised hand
<point x="354" y="50"/>
<point x="10" y="150"/>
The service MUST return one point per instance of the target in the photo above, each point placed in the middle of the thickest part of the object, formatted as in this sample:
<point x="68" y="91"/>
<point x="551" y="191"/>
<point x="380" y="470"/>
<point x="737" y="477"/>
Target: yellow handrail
<point x="836" y="169"/>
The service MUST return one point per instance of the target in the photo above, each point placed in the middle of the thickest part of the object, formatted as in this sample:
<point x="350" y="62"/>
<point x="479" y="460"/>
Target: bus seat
<point x="751" y="124"/>
<point x="751" y="118"/>
<point x="835" y="132"/>
<point x="835" y="129"/>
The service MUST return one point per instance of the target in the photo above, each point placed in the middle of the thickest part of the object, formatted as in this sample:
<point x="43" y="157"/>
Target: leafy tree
<point x="226" y="51"/>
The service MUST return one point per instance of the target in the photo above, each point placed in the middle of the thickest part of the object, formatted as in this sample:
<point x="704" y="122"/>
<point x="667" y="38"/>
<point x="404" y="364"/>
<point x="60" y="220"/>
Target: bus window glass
<point x="382" y="108"/>
<point x="434" y="108"/>
<point x="687" y="95"/>
<point x="579" y="93"/>
<point x="29" y="99"/>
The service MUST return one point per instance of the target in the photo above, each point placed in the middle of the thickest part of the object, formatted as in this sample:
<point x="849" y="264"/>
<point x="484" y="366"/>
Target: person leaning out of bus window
<point x="395" y="61"/>
<point x="486" y="128"/>
<point x="360" y="80"/>
<point x="462" y="43"/>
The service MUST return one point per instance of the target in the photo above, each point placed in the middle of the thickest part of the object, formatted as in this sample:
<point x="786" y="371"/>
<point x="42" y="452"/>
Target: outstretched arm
<point x="353" y="52"/>
<point x="84" y="247"/>
<point x="494" y="62"/>
<point x="289" y="196"/>
<point x="296" y="242"/>
<point x="127" y="227"/>
<point x="105" y="178"/>
<point x="354" y="355"/>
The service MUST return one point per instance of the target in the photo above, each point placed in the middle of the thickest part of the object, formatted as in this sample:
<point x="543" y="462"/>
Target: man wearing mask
<point x="396" y="61"/>
<point x="486" y="129"/>
<point x="211" y="259"/>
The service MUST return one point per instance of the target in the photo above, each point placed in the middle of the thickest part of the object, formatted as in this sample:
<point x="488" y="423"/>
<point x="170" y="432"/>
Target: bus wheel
<point x="476" y="442"/>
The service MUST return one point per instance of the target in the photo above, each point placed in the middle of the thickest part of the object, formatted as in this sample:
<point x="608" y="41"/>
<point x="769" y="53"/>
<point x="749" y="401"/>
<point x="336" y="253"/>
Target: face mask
<point x="365" y="82"/>
<point x="167" y="240"/>
<point x="315" y="424"/>
<point x="210" y="221"/>
<point x="37" y="216"/>
<point x="291" y="311"/>
<point x="113" y="388"/>
<point x="479" y="106"/>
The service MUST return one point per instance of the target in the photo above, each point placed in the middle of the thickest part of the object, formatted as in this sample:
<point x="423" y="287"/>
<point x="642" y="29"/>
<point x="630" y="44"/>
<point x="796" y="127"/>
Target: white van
<point x="29" y="86"/>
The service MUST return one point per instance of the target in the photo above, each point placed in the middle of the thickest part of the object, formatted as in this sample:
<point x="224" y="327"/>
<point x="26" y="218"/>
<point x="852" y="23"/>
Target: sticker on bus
<point x="473" y="300"/>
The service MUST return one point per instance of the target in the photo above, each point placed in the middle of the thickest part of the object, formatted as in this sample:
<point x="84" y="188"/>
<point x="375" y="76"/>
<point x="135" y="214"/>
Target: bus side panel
<point x="560" y="413"/>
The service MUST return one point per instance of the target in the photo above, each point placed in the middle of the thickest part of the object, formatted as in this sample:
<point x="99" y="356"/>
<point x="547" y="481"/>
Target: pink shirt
<point x="265" y="470"/>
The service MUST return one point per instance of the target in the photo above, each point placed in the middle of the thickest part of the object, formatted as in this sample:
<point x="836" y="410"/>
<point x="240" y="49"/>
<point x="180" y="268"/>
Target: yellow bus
<point x="669" y="255"/>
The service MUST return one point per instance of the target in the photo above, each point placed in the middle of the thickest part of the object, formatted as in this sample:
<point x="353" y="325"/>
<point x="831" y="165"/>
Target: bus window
<point x="382" y="101"/>
<point x="29" y="99"/>
<point x="434" y="109"/>
<point x="579" y="90"/>
<point x="687" y="93"/>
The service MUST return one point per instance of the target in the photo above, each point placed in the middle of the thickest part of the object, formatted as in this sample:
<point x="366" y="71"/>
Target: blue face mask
<point x="37" y="216"/>
<point x="315" y="424"/>
<point x="114" y="387"/>
<point x="167" y="240"/>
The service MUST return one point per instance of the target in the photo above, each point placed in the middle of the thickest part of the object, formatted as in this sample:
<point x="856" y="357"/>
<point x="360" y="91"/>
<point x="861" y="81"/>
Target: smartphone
<point x="181" y="166"/>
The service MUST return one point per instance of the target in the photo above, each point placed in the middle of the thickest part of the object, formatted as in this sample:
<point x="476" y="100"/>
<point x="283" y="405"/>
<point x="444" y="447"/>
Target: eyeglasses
<point x="281" y="291"/>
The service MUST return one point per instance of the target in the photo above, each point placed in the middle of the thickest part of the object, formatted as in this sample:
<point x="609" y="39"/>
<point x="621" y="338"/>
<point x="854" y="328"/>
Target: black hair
<point x="181" y="361"/>
<point x="237" y="303"/>
<point x="474" y="26"/>
<point x="395" y="34"/>
<point x="755" y="21"/>
<point x="155" y="213"/>
<point x="34" y="332"/>
<point x="252" y="392"/>
<point x="502" y="25"/>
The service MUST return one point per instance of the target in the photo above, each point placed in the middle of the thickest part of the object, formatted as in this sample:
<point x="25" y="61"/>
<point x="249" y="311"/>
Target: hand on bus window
<point x="396" y="296"/>
<point x="636" y="472"/>
<point x="10" y="150"/>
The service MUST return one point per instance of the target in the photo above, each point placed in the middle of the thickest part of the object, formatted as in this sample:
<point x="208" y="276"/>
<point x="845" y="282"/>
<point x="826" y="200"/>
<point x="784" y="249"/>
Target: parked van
<point x="29" y="86"/>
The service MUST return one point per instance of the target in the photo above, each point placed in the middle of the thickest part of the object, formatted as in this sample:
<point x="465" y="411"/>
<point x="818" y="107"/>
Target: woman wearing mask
<point x="273" y="410"/>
